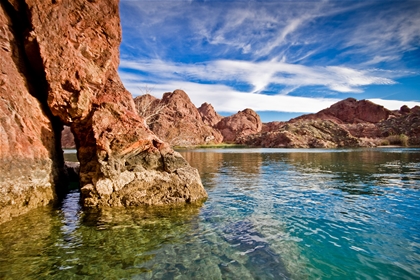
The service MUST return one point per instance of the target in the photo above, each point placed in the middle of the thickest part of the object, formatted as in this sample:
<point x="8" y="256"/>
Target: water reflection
<point x="271" y="214"/>
<point x="69" y="243"/>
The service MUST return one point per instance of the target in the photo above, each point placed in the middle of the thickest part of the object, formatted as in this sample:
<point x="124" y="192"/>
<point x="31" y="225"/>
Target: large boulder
<point x="243" y="123"/>
<point x="72" y="48"/>
<point x="176" y="120"/>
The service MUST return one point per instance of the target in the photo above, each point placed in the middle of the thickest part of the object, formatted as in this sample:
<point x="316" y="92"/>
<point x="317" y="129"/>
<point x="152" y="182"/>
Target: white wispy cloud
<point x="260" y="74"/>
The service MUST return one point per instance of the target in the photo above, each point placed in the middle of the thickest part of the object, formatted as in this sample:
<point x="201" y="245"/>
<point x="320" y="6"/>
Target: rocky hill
<point x="176" y="120"/>
<point x="348" y="123"/>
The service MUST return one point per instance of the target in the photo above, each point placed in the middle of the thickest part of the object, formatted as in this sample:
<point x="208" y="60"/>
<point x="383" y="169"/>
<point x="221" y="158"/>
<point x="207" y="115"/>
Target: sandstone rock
<point x="243" y="123"/>
<point x="175" y="119"/>
<point x="72" y="48"/>
<point x="29" y="162"/>
<point x="209" y="115"/>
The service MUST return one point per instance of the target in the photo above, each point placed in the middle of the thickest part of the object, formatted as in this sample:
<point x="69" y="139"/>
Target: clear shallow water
<point x="271" y="214"/>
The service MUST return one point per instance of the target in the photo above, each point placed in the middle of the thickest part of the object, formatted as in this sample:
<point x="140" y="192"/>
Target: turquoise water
<point x="271" y="214"/>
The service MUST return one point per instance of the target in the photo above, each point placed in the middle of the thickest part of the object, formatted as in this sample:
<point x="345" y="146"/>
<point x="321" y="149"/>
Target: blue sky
<point x="280" y="58"/>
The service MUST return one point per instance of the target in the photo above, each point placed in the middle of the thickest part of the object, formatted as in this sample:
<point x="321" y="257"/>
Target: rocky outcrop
<point x="209" y="115"/>
<point x="175" y="119"/>
<point x="71" y="49"/>
<point x="241" y="124"/>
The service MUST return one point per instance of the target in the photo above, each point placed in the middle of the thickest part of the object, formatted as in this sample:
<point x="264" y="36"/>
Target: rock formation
<point x="175" y="119"/>
<point x="348" y="123"/>
<point x="59" y="66"/>
<point x="406" y="121"/>
<point x="241" y="124"/>
<point x="209" y="115"/>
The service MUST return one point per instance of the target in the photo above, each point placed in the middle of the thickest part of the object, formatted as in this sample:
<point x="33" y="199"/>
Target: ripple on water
<point x="271" y="214"/>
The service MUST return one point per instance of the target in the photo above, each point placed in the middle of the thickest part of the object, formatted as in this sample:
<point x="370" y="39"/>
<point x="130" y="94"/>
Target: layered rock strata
<point x="72" y="50"/>
<point x="176" y="120"/>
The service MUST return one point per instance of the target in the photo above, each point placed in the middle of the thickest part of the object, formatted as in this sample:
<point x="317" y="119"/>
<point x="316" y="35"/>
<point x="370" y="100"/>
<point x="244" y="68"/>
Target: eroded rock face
<point x="176" y="120"/>
<point x="72" y="45"/>
<point x="241" y="124"/>
<point x="209" y="115"/>
<point x="29" y="162"/>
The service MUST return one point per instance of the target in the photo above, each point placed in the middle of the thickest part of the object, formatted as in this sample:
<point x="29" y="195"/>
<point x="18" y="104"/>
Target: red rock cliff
<point x="29" y="162"/>
<point x="72" y="45"/>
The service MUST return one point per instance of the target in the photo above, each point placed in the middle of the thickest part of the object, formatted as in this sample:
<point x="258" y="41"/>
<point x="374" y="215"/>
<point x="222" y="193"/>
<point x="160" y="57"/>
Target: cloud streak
<point x="260" y="75"/>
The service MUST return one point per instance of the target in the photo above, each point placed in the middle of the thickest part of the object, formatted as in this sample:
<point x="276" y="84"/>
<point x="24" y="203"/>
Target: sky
<point x="280" y="58"/>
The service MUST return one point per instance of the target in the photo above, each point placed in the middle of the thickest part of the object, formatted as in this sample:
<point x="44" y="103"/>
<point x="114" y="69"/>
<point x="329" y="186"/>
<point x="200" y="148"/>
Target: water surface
<point x="271" y="214"/>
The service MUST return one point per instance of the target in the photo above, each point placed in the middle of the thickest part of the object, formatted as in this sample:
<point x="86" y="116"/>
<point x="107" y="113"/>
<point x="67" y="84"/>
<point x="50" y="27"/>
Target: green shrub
<point x="401" y="140"/>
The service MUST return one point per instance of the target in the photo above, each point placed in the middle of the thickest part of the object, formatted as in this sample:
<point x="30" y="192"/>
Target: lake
<point x="271" y="214"/>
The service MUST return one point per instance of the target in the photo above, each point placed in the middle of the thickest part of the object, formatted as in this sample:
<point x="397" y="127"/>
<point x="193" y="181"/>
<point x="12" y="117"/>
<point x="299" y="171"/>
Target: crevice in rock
<point x="29" y="63"/>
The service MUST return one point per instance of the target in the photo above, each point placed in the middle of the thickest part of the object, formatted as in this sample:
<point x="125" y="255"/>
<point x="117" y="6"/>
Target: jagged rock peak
<point x="209" y="115"/>
<point x="175" y="119"/>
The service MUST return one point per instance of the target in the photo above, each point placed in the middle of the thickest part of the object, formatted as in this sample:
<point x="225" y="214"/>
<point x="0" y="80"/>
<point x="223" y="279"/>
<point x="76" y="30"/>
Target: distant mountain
<point x="347" y="123"/>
